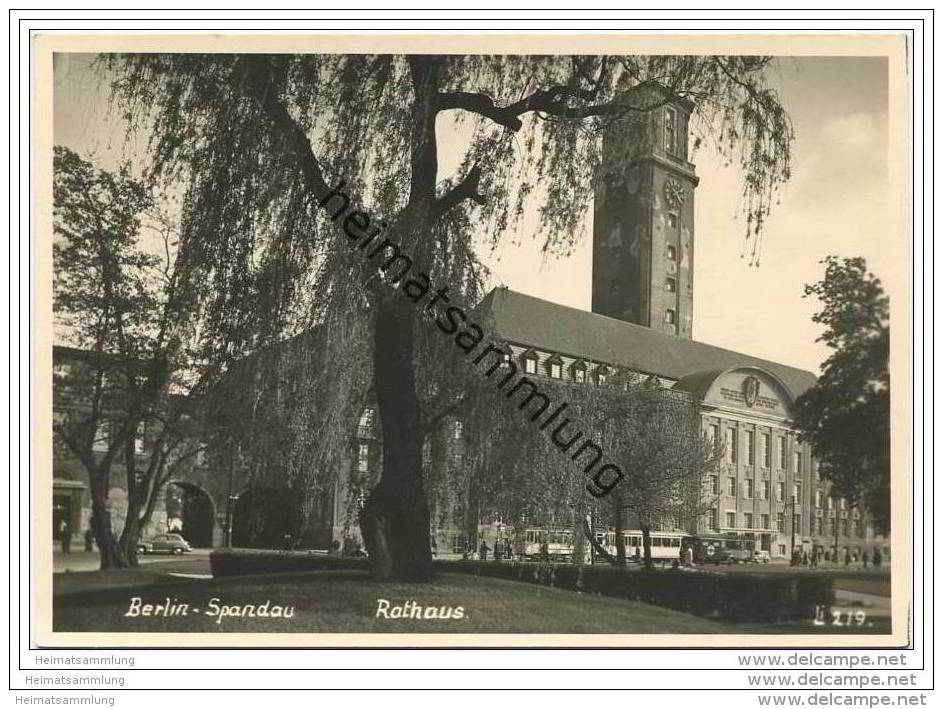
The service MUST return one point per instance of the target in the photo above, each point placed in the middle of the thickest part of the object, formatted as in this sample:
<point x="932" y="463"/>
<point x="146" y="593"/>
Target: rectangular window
<point x="780" y="491"/>
<point x="764" y="490"/>
<point x="831" y="526"/>
<point x="365" y="427"/>
<point x="714" y="485"/>
<point x="842" y="503"/>
<point x="670" y="316"/>
<point x="748" y="489"/>
<point x="556" y="371"/>
<point x="782" y="452"/>
<point x="858" y="528"/>
<point x="830" y="502"/>
<point x="748" y="520"/>
<point x="731" y="487"/>
<point x="139" y="441"/>
<point x="764" y="521"/>
<point x="780" y="522"/>
<point x="797" y="523"/>
<point x="714" y="436"/>
<point x="579" y="375"/>
<point x="751" y="452"/>
<point x="672" y="220"/>
<point x="767" y="453"/>
<point x="731" y="440"/>
<point x="363" y="457"/>
<point x="670" y="285"/>
<point x="731" y="520"/>
<point x="713" y="519"/>
<point x="818" y="498"/>
<point x="797" y="493"/>
<point x="818" y="526"/>
<point x="844" y="527"/>
<point x="671" y="131"/>
<point x="672" y="253"/>
<point x="530" y="365"/>
<point x="458" y="431"/>
<point x="797" y="461"/>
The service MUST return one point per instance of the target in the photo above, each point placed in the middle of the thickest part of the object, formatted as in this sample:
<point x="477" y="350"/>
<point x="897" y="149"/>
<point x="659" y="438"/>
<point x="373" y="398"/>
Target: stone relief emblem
<point x="751" y="390"/>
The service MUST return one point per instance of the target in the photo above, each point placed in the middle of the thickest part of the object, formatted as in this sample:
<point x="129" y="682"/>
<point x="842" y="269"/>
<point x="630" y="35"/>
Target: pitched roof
<point x="530" y="321"/>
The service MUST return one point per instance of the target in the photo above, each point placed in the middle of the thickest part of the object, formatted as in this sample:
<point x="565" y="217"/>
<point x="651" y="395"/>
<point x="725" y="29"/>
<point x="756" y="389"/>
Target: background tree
<point x="131" y="397"/>
<point x="261" y="140"/>
<point x="846" y="415"/>
<point x="654" y="435"/>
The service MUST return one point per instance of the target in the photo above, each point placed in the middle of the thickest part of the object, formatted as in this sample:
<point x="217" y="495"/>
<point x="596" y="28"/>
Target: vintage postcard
<point x="543" y="340"/>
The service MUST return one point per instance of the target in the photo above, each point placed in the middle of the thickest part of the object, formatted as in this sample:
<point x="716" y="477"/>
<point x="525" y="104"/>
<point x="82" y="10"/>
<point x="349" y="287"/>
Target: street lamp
<point x="792" y="551"/>
<point x="230" y="512"/>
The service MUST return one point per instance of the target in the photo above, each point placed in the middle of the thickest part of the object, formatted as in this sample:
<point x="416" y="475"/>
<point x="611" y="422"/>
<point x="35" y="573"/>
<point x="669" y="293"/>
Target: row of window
<point x="749" y="445"/>
<point x="749" y="488"/>
<point x="856" y="526"/>
<point x="578" y="370"/>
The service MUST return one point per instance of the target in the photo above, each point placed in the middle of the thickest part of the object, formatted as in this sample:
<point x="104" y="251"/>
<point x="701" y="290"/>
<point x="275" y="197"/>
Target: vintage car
<point x="164" y="543"/>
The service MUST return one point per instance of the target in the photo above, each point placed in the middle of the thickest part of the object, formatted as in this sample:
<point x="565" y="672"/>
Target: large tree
<point x="846" y="415"/>
<point x="262" y="140"/>
<point x="655" y="436"/>
<point x="129" y="397"/>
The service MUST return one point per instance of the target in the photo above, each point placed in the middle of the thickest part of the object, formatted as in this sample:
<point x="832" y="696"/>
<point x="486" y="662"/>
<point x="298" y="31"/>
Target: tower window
<point x="670" y="316"/>
<point x="670" y="285"/>
<point x="672" y="220"/>
<point x="671" y="131"/>
<point x="672" y="253"/>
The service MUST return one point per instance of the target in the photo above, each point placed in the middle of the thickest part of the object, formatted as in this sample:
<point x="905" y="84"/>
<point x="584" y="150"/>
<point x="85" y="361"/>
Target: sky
<point x="836" y="203"/>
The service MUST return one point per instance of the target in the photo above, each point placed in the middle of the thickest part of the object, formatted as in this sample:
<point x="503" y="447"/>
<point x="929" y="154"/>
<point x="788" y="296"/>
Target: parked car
<point x="164" y="543"/>
<point x="761" y="557"/>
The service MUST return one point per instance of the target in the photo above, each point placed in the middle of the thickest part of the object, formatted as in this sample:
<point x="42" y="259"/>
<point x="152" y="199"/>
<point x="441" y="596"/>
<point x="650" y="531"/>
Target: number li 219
<point x="825" y="615"/>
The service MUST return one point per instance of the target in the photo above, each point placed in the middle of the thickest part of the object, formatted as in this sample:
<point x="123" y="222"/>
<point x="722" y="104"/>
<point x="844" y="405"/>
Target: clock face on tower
<point x="675" y="194"/>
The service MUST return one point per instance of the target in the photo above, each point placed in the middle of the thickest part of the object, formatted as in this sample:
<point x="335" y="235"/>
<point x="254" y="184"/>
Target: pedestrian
<point x="638" y="555"/>
<point x="864" y="559"/>
<point x="815" y="558"/>
<point x="433" y="546"/>
<point x="89" y="538"/>
<point x="495" y="553"/>
<point x="690" y="555"/>
<point x="877" y="558"/>
<point x="805" y="558"/>
<point x="508" y="549"/>
<point x="65" y="535"/>
<point x="544" y="549"/>
<point x="483" y="551"/>
<point x="847" y="557"/>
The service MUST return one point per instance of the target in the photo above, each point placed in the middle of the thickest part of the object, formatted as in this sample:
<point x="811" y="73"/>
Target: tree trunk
<point x="647" y="545"/>
<point x="600" y="549"/>
<point x="395" y="517"/>
<point x="130" y="535"/>
<point x="110" y="552"/>
<point x="620" y="537"/>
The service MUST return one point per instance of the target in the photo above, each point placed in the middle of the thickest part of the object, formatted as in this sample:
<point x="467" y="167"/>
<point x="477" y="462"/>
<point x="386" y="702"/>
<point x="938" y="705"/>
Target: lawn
<point x="348" y="602"/>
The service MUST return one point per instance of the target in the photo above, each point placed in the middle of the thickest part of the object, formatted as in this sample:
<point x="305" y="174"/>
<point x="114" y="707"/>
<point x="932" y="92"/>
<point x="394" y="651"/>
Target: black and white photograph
<point x="475" y="341"/>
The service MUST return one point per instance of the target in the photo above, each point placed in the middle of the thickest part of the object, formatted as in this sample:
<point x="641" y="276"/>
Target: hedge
<point x="242" y="562"/>
<point x="736" y="597"/>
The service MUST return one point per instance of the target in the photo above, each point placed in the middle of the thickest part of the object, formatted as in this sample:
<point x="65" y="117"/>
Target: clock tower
<point x="643" y="218"/>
